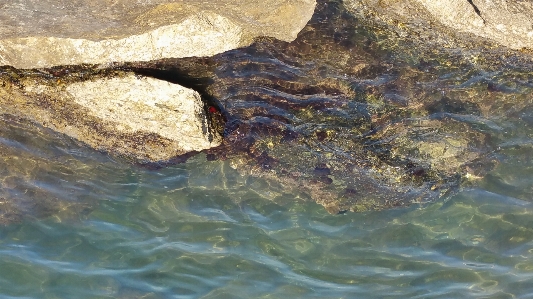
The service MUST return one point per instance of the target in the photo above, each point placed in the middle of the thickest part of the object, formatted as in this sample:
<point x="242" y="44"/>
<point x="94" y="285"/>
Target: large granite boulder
<point x="142" y="118"/>
<point x="37" y="34"/>
<point x="506" y="22"/>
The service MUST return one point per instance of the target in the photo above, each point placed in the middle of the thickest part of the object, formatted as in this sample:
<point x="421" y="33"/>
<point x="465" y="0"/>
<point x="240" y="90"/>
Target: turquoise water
<point x="76" y="223"/>
<point x="201" y="230"/>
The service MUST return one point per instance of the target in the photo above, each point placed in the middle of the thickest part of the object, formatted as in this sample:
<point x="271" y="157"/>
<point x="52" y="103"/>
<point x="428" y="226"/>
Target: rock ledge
<point x="48" y="33"/>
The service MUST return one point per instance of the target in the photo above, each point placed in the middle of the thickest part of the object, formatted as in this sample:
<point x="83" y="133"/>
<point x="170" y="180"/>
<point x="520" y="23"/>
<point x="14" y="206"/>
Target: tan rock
<point x="142" y="118"/>
<point x="37" y="34"/>
<point x="507" y="23"/>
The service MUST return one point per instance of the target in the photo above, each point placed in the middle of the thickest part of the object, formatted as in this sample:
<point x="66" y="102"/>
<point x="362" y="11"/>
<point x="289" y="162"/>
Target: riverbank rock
<point x="339" y="118"/>
<point x="142" y="118"/>
<point x="506" y="23"/>
<point x="38" y="34"/>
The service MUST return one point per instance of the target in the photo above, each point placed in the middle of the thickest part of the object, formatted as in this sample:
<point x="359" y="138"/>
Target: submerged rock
<point x="349" y="114"/>
<point x="37" y="34"/>
<point x="145" y="119"/>
<point x="45" y="174"/>
<point x="354" y="119"/>
<point x="507" y="23"/>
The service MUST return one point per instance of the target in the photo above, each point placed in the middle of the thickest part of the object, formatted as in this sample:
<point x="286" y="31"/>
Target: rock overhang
<point x="128" y="114"/>
<point x="49" y="33"/>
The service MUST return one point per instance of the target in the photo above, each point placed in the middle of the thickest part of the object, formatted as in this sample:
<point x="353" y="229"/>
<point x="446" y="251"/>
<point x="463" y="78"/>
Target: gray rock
<point x="507" y="23"/>
<point x="37" y="34"/>
<point x="145" y="119"/>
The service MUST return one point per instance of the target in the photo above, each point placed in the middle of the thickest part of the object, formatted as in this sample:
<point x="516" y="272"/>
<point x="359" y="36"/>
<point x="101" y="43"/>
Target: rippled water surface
<point x="201" y="230"/>
<point x="76" y="223"/>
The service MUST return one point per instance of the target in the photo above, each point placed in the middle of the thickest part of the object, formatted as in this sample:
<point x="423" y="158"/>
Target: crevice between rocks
<point x="476" y="9"/>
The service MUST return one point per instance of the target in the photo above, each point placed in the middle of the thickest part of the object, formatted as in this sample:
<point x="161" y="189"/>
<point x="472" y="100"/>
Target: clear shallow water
<point x="87" y="225"/>
<point x="201" y="230"/>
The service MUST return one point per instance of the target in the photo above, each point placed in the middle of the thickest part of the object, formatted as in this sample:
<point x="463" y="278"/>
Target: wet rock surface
<point x="353" y="115"/>
<point x="362" y="119"/>
<point x="144" y="119"/>
<point x="37" y="34"/>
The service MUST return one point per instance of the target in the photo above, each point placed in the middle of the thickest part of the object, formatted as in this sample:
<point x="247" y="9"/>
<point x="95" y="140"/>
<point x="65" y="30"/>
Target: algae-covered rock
<point x="349" y="117"/>
<point x="36" y="34"/>
<point x="143" y="118"/>
<point x="350" y="114"/>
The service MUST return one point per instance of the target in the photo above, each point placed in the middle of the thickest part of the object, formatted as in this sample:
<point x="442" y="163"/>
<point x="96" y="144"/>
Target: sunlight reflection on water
<point x="77" y="223"/>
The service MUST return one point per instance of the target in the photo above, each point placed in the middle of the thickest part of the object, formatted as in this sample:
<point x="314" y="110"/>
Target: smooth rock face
<point x="37" y="34"/>
<point x="145" y="119"/>
<point x="508" y="23"/>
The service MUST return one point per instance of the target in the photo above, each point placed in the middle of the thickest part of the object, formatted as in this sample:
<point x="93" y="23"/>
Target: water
<point x="201" y="230"/>
<point x="77" y="223"/>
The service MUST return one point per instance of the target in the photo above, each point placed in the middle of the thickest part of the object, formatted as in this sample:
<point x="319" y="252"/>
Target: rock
<point x="507" y="23"/>
<point x="38" y="34"/>
<point x="334" y="118"/>
<point x="145" y="119"/>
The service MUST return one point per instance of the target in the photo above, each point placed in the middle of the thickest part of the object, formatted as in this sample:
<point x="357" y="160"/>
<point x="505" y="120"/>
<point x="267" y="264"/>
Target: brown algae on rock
<point x="394" y="124"/>
<point x="350" y="114"/>
<point x="145" y="119"/>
